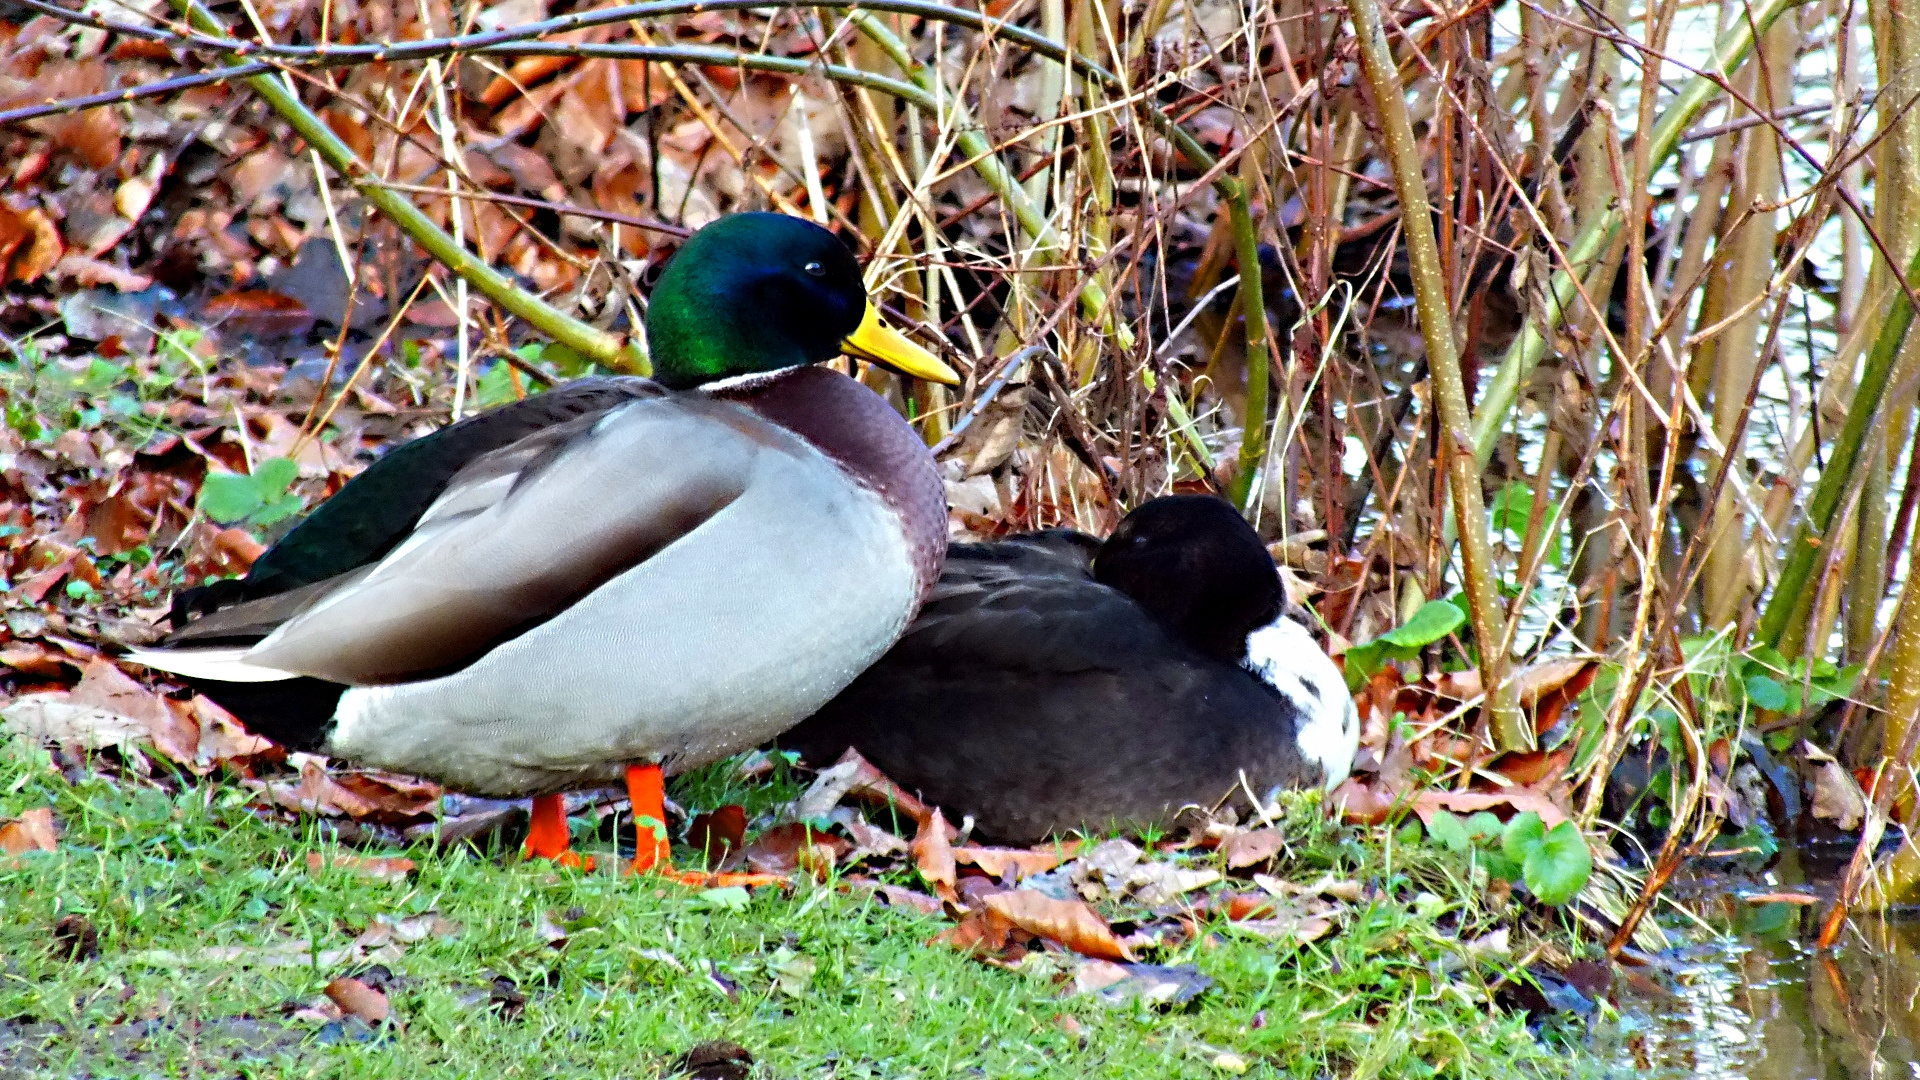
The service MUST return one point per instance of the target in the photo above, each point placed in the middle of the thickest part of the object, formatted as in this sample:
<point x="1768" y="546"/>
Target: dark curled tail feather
<point x="295" y="713"/>
<point x="190" y="604"/>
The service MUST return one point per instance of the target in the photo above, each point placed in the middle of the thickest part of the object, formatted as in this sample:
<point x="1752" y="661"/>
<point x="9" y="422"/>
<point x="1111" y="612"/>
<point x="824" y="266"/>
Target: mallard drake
<point x="616" y="577"/>
<point x="1054" y="682"/>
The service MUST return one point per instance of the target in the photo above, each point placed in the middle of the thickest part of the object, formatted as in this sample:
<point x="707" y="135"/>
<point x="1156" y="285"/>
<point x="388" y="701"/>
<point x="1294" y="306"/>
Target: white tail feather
<point x="228" y="664"/>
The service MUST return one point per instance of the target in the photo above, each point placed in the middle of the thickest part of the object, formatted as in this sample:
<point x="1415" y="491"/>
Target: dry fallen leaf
<point x="222" y="739"/>
<point x="1252" y="847"/>
<point x="376" y="796"/>
<point x="1012" y="864"/>
<point x="105" y="687"/>
<point x="873" y="785"/>
<point x="716" y="1060"/>
<point x="1361" y="803"/>
<point x="984" y="933"/>
<point x="75" y="939"/>
<point x="1156" y="883"/>
<point x="36" y="660"/>
<point x="934" y="856"/>
<point x="1094" y="975"/>
<point x="411" y="928"/>
<point x="1069" y="922"/>
<point x="374" y="869"/>
<point x="1286" y="926"/>
<point x="718" y="833"/>
<point x="795" y="846"/>
<point x="1427" y="803"/>
<point x="867" y="839"/>
<point x="356" y="998"/>
<point x="1117" y="984"/>
<point x="1112" y="859"/>
<point x="1531" y="768"/>
<point x="42" y="248"/>
<point x="1547" y="689"/>
<point x="827" y="789"/>
<point x="259" y="312"/>
<point x="31" y="831"/>
<point x="51" y="718"/>
<point x="900" y="896"/>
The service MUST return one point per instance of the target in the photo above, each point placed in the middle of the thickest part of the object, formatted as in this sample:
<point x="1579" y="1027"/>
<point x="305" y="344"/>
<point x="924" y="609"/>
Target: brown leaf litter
<point x="31" y="831"/>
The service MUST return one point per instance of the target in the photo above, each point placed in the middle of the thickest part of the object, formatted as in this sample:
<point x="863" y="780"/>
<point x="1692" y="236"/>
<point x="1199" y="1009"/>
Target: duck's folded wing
<point x="1050" y="552"/>
<point x="517" y="536"/>
<point x="986" y="616"/>
<point x="370" y="516"/>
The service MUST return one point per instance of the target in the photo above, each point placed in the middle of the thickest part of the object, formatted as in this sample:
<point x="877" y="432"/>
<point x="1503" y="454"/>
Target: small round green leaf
<point x="228" y="497"/>
<point x="1498" y="865"/>
<point x="1765" y="692"/>
<point x="1449" y="831"/>
<point x="1559" y="866"/>
<point x="1484" y="826"/>
<point x="1523" y="834"/>
<point x="274" y="476"/>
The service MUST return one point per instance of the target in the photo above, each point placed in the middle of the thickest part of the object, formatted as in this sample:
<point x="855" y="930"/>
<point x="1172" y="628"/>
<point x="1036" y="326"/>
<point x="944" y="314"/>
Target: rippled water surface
<point x="1764" y="1006"/>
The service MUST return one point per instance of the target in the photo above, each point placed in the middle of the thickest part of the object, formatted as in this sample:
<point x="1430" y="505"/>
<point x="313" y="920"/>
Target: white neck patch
<point x="1284" y="655"/>
<point x="750" y="381"/>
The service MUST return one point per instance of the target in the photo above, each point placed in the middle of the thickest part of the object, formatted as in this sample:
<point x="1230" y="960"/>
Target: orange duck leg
<point x="647" y="791"/>
<point x="547" y="836"/>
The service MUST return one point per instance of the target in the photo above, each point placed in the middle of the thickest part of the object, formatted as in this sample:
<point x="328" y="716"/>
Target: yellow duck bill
<point x="881" y="344"/>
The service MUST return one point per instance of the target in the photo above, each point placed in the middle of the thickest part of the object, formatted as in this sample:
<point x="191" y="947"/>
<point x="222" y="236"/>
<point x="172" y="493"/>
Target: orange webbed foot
<point x="701" y="880"/>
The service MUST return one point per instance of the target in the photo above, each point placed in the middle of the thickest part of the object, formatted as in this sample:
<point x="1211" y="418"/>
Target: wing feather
<point x="493" y="554"/>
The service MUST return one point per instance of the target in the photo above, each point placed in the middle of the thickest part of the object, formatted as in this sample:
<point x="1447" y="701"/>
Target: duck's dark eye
<point x="816" y="269"/>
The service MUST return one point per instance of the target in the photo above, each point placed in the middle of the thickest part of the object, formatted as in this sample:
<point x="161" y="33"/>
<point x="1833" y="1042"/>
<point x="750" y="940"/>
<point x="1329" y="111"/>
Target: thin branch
<point x="1510" y="728"/>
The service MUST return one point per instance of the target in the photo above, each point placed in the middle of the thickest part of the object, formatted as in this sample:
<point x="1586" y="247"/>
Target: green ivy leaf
<point x="1767" y="693"/>
<point x="1559" y="865"/>
<point x="1523" y="834"/>
<point x="496" y="386"/>
<point x="274" y="476"/>
<point x="567" y="360"/>
<point x="277" y="509"/>
<point x="1499" y="866"/>
<point x="1512" y="506"/>
<point x="1484" y="826"/>
<point x="259" y="499"/>
<point x="228" y="497"/>
<point x="1449" y="832"/>
<point x="1360" y="662"/>
<point x="1433" y="622"/>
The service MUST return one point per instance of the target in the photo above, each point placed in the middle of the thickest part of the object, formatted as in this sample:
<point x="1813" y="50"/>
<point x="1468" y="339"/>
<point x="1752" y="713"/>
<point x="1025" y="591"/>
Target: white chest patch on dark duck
<point x="1284" y="655"/>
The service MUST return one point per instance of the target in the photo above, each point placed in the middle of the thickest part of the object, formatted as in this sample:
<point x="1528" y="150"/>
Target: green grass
<point x="174" y="883"/>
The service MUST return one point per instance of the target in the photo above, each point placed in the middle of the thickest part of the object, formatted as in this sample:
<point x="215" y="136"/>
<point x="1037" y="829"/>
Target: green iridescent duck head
<point x="755" y="293"/>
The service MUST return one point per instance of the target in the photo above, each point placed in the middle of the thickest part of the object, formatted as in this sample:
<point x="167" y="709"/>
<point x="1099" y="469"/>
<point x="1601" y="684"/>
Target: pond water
<point x="1763" y="1004"/>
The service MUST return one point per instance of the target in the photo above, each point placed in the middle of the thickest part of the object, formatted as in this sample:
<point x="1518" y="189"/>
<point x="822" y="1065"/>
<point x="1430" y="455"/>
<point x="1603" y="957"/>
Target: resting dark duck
<point x="1053" y="682"/>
